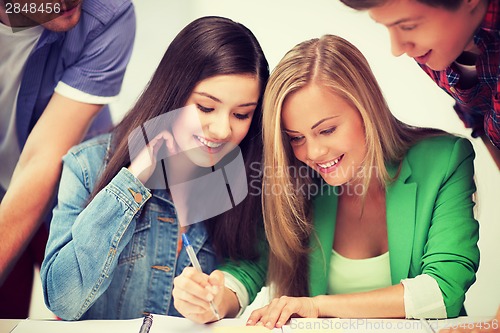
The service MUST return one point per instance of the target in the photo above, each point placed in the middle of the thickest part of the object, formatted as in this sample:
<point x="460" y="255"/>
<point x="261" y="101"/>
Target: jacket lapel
<point x="400" y="205"/>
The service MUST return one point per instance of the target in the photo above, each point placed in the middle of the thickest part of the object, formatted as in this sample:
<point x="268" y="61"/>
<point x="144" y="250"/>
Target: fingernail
<point x="215" y="289"/>
<point x="210" y="297"/>
<point x="268" y="325"/>
<point x="249" y="322"/>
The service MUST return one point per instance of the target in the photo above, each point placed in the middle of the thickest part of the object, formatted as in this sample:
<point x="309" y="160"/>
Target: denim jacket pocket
<point x="136" y="248"/>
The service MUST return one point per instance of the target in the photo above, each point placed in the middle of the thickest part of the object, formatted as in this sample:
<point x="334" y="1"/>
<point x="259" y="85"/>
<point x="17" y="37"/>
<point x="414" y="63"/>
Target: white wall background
<point x="281" y="24"/>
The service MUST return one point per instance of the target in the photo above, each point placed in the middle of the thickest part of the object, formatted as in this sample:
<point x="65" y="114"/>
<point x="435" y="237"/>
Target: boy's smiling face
<point x="434" y="36"/>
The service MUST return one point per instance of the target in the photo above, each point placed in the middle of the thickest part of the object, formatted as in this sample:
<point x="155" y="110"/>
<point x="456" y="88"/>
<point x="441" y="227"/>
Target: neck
<point x="373" y="201"/>
<point x="355" y="188"/>
<point x="181" y="169"/>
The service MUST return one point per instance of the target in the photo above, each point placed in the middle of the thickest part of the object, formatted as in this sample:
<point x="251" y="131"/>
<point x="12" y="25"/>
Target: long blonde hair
<point x="335" y="63"/>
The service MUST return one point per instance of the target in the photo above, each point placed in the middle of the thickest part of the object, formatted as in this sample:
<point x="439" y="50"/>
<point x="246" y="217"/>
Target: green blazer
<point x="430" y="224"/>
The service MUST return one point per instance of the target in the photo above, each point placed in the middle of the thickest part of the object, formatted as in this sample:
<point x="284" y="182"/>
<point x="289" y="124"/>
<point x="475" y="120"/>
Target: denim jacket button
<point x="138" y="197"/>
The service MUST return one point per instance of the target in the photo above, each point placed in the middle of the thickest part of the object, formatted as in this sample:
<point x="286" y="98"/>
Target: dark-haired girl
<point x="114" y="248"/>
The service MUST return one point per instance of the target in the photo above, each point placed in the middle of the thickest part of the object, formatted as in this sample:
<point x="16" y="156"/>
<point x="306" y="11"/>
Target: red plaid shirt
<point x="479" y="106"/>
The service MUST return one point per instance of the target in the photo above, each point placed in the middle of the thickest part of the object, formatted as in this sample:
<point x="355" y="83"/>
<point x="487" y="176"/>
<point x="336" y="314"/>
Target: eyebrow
<point x="403" y="20"/>
<point x="313" y="126"/>
<point x="219" y="101"/>
<point x="322" y="121"/>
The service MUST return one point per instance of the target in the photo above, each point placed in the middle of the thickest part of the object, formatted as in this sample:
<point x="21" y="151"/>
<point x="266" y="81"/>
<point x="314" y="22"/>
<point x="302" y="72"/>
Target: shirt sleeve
<point x="80" y="96"/>
<point x="423" y="298"/>
<point x="451" y="254"/>
<point x="492" y="120"/>
<point x="239" y="289"/>
<point x="85" y="241"/>
<point x="96" y="77"/>
<point x="250" y="274"/>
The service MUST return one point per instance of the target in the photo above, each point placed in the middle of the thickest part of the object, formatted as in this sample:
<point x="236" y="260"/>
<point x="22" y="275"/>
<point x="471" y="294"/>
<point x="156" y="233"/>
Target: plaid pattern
<point x="479" y="107"/>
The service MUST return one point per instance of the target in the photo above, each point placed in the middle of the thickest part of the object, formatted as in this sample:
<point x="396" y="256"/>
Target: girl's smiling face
<point x="326" y="133"/>
<point x="216" y="118"/>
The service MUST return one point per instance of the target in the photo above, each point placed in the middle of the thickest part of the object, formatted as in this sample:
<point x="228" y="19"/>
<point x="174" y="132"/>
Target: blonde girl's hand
<point x="143" y="165"/>
<point x="193" y="292"/>
<point x="277" y="313"/>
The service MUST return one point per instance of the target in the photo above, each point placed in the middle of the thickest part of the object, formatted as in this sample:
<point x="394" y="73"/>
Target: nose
<point x="399" y="44"/>
<point x="315" y="150"/>
<point x="219" y="127"/>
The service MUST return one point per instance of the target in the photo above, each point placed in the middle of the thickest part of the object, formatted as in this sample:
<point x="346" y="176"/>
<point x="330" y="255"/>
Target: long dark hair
<point x="207" y="47"/>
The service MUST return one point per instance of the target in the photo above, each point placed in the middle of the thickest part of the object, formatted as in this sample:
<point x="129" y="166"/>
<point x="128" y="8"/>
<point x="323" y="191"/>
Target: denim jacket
<point x="115" y="257"/>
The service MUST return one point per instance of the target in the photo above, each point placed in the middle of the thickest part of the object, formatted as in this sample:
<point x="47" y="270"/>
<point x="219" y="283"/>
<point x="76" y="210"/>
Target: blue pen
<point x="196" y="265"/>
<point x="146" y="324"/>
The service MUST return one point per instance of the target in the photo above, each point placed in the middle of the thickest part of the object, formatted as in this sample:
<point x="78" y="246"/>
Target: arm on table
<point x="62" y="125"/>
<point x="381" y="303"/>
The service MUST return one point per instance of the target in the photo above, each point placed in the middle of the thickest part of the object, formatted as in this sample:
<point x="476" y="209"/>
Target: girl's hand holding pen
<point x="193" y="291"/>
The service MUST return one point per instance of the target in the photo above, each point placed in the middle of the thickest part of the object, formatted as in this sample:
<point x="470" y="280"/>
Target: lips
<point x="424" y="58"/>
<point x="68" y="12"/>
<point x="328" y="166"/>
<point x="208" y="145"/>
<point x="69" y="8"/>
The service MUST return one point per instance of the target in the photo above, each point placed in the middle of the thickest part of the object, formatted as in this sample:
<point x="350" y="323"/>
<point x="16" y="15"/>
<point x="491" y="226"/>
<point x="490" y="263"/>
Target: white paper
<point x="335" y="325"/>
<point x="161" y="324"/>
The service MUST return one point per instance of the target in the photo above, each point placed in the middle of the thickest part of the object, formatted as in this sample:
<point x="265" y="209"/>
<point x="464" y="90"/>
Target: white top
<point x="16" y="47"/>
<point x="423" y="298"/>
<point x="358" y="275"/>
<point x="239" y="289"/>
<point x="422" y="295"/>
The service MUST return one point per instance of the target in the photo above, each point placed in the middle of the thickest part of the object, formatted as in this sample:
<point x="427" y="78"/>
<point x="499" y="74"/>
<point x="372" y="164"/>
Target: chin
<point x="440" y="65"/>
<point x="333" y="181"/>
<point x="62" y="23"/>
<point x="437" y="68"/>
<point x="204" y="161"/>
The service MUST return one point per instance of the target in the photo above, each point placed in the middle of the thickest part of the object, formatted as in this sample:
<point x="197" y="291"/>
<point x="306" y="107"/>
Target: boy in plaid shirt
<point x="456" y="42"/>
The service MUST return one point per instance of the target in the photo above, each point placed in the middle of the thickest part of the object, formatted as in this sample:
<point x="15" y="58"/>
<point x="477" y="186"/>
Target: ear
<point x="473" y="4"/>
